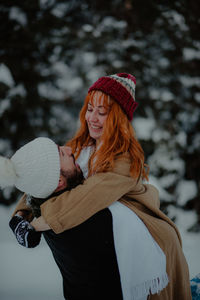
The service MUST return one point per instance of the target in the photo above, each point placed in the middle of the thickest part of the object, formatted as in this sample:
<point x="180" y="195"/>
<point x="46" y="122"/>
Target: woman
<point x="106" y="128"/>
<point x="111" y="157"/>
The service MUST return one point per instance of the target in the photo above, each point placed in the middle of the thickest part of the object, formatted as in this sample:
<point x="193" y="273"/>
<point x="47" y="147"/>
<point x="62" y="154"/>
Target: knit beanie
<point x="121" y="87"/>
<point x="34" y="169"/>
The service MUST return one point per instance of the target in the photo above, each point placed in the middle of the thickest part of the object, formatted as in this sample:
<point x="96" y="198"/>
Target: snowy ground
<point x="31" y="274"/>
<point x="26" y="274"/>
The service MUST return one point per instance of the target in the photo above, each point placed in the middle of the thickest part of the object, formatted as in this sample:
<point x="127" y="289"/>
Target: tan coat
<point x="98" y="192"/>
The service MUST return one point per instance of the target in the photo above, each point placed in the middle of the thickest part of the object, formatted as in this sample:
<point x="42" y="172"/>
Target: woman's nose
<point x="93" y="116"/>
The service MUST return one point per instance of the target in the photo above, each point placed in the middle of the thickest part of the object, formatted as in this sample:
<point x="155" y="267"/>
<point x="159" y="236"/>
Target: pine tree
<point x="54" y="50"/>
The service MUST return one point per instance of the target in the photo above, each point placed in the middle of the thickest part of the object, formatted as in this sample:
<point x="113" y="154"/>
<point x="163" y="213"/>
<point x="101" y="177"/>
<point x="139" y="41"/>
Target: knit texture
<point x="121" y="87"/>
<point x="37" y="168"/>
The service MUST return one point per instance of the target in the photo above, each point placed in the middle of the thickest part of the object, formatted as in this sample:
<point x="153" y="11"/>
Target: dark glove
<point x="25" y="234"/>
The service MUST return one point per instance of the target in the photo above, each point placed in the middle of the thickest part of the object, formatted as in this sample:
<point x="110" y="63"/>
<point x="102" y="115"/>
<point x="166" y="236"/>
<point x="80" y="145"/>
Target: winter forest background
<point x="52" y="51"/>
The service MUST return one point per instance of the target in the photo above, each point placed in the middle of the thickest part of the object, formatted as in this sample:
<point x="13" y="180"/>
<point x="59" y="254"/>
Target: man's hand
<point x="25" y="214"/>
<point x="25" y="233"/>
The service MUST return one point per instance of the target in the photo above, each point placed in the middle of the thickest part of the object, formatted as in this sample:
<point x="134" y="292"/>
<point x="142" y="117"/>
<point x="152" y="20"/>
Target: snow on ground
<point x="26" y="274"/>
<point x="30" y="274"/>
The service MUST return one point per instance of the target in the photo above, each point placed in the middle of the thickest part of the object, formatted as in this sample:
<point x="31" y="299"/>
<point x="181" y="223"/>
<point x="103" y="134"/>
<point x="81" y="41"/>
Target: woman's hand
<point x="39" y="224"/>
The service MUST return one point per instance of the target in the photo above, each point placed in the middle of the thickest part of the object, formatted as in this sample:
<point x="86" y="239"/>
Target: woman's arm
<point x="74" y="207"/>
<point x="98" y="192"/>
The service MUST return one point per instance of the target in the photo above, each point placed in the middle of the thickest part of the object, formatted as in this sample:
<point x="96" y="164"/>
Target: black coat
<point x="86" y="258"/>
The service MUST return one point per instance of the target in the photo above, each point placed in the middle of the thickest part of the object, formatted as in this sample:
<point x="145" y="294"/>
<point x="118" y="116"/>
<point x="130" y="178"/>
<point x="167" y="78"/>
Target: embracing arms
<point x="97" y="192"/>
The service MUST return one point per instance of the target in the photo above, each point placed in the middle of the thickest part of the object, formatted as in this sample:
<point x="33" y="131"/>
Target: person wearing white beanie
<point x="33" y="169"/>
<point x="39" y="169"/>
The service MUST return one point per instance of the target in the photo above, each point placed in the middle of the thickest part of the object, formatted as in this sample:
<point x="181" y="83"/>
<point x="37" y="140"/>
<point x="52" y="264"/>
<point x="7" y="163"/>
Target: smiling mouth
<point x="95" y="127"/>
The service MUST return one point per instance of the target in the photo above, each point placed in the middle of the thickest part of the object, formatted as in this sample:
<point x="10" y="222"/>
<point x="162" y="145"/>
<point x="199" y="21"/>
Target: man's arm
<point x="23" y="209"/>
<point x="25" y="234"/>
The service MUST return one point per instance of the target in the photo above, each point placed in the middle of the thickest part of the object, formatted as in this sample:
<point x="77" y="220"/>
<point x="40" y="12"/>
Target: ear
<point x="61" y="183"/>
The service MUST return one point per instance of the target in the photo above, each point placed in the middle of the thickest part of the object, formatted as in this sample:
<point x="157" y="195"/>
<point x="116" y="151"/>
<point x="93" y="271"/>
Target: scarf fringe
<point x="153" y="286"/>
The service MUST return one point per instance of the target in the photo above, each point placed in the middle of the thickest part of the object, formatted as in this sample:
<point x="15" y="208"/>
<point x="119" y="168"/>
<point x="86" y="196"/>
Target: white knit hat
<point x="33" y="169"/>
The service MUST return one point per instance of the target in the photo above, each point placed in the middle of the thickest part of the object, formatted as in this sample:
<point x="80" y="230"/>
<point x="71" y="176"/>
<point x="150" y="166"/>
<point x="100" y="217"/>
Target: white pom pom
<point x="7" y="172"/>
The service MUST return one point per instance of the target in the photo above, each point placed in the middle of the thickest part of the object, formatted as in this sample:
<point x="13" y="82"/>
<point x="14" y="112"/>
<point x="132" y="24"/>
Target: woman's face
<point x="96" y="116"/>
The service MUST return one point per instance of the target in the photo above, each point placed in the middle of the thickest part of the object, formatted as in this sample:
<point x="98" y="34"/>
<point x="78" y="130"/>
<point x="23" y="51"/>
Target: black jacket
<point x="86" y="258"/>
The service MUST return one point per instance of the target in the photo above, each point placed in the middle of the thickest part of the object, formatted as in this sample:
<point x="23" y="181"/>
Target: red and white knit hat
<point x="121" y="87"/>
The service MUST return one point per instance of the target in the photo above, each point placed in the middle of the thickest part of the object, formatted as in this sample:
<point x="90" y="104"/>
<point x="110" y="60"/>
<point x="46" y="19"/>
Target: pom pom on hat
<point x="34" y="168"/>
<point x="8" y="175"/>
<point x="121" y="87"/>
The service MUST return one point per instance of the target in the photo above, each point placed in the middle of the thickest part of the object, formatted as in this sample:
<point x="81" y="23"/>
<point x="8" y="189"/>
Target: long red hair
<point x="118" y="137"/>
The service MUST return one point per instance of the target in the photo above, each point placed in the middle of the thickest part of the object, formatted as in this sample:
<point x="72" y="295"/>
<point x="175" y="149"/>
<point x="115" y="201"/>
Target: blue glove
<point x="195" y="287"/>
<point x="25" y="234"/>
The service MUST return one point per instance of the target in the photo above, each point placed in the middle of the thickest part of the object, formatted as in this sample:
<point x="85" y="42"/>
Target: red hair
<point x="118" y="138"/>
